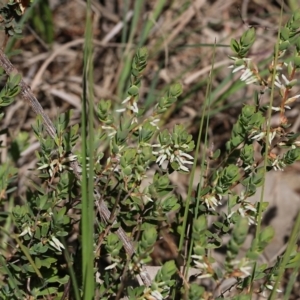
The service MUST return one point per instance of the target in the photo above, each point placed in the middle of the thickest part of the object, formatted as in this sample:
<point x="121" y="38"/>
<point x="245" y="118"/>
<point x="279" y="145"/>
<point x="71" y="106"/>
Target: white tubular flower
<point x="112" y="266"/>
<point x="248" y="77"/>
<point x="126" y="100"/>
<point x="147" y="199"/>
<point x="249" y="206"/>
<point x="180" y="158"/>
<point x="56" y="243"/>
<point x="244" y="214"/>
<point x="251" y="79"/>
<point x="154" y="123"/>
<point x="271" y="288"/>
<point x="296" y="144"/>
<point x="278" y="165"/>
<point x="173" y="155"/>
<point x="121" y="110"/>
<point x="271" y="136"/>
<point x="26" y="230"/>
<point x="286" y="83"/>
<point x="236" y="69"/>
<point x="111" y="131"/>
<point x="239" y="64"/>
<point x="248" y="210"/>
<point x="157" y="295"/>
<point x="134" y="107"/>
<point x="246" y="270"/>
<point x="230" y="215"/>
<point x="160" y="160"/>
<point x="245" y="65"/>
<point x="277" y="82"/>
<point x="212" y="202"/>
<point x="257" y="136"/>
<point x="276" y="108"/>
<point x="292" y="99"/>
<point x="243" y="266"/>
<point x="204" y="276"/>
<point x="202" y="266"/>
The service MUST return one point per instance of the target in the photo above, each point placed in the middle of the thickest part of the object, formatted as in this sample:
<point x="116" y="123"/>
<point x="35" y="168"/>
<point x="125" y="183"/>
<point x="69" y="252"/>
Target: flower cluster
<point x="173" y="147"/>
<point x="249" y="70"/>
<point x="172" y="154"/>
<point x="202" y="264"/>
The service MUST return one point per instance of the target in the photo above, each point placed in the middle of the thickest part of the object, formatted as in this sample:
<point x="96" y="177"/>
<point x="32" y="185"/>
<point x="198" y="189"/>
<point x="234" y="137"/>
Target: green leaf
<point x="195" y="291"/>
<point x="234" y="45"/>
<point x="294" y="261"/>
<point x="199" y="227"/>
<point x="216" y="154"/>
<point x="284" y="46"/>
<point x="284" y="33"/>
<point x="297" y="62"/>
<point x="15" y="79"/>
<point x="166" y="272"/>
<point x="175" y="90"/>
<point x="61" y="280"/>
<point x="248" y="38"/>
<point x="133" y="91"/>
<point x="266" y="235"/>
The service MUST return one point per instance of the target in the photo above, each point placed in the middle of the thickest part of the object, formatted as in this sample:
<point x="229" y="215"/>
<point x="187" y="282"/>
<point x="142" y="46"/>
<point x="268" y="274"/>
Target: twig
<point x="28" y="95"/>
<point x="128" y="246"/>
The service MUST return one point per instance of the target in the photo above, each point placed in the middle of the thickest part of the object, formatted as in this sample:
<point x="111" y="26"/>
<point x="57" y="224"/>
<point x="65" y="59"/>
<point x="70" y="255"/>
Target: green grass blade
<point x="205" y="111"/>
<point x="292" y="281"/>
<point x="291" y="245"/>
<point x="150" y="22"/>
<point x="87" y="152"/>
<point x="72" y="272"/>
<point x="137" y="12"/>
<point x="259" y="214"/>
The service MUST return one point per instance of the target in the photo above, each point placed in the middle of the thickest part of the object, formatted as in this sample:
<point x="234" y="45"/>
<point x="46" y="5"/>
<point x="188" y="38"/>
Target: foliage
<point x="42" y="255"/>
<point x="10" y="15"/>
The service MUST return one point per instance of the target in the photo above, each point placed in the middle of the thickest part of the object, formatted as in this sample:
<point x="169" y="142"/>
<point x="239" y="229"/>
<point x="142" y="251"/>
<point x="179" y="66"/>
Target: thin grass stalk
<point x="259" y="213"/>
<point x="125" y="26"/>
<point x="158" y="7"/>
<point x="265" y="163"/>
<point x="290" y="246"/>
<point x="71" y="271"/>
<point x="137" y="12"/>
<point x="204" y="111"/>
<point x="292" y="281"/>
<point x="87" y="169"/>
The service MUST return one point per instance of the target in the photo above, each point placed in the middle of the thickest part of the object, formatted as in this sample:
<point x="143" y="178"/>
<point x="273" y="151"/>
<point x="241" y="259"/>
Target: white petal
<point x="121" y="110"/>
<point x="285" y="79"/>
<point x="181" y="153"/>
<point x="111" y="266"/>
<point x="126" y="99"/>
